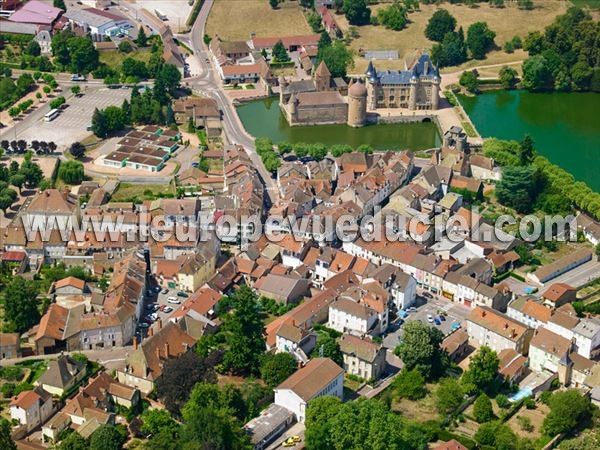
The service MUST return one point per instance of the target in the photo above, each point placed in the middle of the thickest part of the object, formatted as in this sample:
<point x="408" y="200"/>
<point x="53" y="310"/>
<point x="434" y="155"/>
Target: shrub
<point x="502" y="401"/>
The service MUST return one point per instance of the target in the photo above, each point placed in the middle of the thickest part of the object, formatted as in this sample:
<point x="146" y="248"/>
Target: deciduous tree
<point x="441" y="23"/>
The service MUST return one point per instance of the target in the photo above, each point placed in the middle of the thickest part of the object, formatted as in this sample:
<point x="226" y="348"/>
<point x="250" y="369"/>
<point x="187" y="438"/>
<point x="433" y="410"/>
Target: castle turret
<point x="293" y="107"/>
<point x="322" y="77"/>
<point x="372" y="86"/>
<point x="435" y="93"/>
<point x="282" y="86"/>
<point x="412" y="101"/>
<point x="357" y="104"/>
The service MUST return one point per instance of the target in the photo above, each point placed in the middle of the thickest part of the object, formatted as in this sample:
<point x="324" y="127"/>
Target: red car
<point x="162" y="307"/>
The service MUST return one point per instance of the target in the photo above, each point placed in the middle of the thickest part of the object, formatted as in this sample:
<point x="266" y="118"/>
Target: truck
<point x="161" y="15"/>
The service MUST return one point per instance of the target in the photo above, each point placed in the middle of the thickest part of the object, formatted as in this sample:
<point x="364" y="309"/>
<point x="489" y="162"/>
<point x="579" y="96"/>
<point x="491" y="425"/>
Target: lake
<point x="564" y="126"/>
<point x="263" y="118"/>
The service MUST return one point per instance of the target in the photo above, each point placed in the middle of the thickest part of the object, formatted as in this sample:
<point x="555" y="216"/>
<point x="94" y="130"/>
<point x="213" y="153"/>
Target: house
<point x="36" y="12"/>
<point x="563" y="321"/>
<point x="483" y="168"/>
<point x="188" y="272"/>
<point x="320" y="376"/>
<point x="70" y="286"/>
<point x="497" y="331"/>
<point x="559" y="294"/>
<point x="291" y="43"/>
<point x="228" y="51"/>
<point x="587" y="336"/>
<point x="529" y="312"/>
<point x="403" y="290"/>
<point x="31" y="408"/>
<point x="203" y="112"/>
<point x="347" y="315"/>
<point x="562" y="265"/>
<point x="268" y="426"/>
<point x="58" y="330"/>
<point x="450" y="445"/>
<point x="362" y="357"/>
<point x="51" y="209"/>
<point x="456" y="344"/>
<point x="55" y="426"/>
<point x="511" y="365"/>
<point x="44" y="40"/>
<point x="546" y="350"/>
<point x="292" y="339"/>
<point x="98" y="22"/>
<point x="145" y="363"/>
<point x="283" y="289"/>
<point x="62" y="375"/>
<point x="10" y="345"/>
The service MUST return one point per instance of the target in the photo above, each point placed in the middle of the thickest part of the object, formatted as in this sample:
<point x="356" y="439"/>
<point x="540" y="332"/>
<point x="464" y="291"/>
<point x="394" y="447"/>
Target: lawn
<point x="237" y="19"/>
<point x="127" y="191"/>
<point x="505" y="22"/>
<point x="114" y="58"/>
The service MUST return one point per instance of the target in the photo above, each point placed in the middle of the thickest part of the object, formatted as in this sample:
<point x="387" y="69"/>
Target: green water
<point x="565" y="126"/>
<point x="264" y="118"/>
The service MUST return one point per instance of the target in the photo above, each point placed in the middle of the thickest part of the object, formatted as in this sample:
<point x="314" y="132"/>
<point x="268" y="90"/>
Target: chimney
<point x="158" y="352"/>
<point x="505" y="325"/>
<point x="159" y="323"/>
<point x="166" y="349"/>
<point x="151" y="332"/>
<point x="135" y="343"/>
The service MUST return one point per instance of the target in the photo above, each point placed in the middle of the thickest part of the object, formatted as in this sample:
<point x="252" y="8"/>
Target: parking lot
<point x="157" y="301"/>
<point x="72" y="123"/>
<point x="454" y="313"/>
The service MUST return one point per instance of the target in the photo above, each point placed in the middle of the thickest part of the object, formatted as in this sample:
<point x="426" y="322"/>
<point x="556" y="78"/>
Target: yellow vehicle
<point x="289" y="442"/>
<point x="296" y="439"/>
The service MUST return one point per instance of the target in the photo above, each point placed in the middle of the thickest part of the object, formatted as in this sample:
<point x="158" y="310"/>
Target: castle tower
<point x="435" y="93"/>
<point x="282" y="86"/>
<point x="412" y="101"/>
<point x="372" y="86"/>
<point x="293" y="108"/>
<point x="357" y="104"/>
<point x="565" y="370"/>
<point x="322" y="77"/>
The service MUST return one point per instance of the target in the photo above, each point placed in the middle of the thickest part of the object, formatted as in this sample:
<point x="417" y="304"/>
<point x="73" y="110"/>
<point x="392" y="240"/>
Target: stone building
<point x="415" y="88"/>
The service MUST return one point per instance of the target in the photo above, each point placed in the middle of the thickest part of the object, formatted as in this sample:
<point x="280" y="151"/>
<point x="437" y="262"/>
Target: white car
<point x="429" y="318"/>
<point x="167" y="310"/>
<point x="174" y="300"/>
<point x="153" y="317"/>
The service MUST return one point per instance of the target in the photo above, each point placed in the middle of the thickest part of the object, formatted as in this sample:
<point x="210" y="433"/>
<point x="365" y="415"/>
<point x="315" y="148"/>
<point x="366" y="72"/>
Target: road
<point x="576" y="277"/>
<point x="209" y="84"/>
<point x="111" y="358"/>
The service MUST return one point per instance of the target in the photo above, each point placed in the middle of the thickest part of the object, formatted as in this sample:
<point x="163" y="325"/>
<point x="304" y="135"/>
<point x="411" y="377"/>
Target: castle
<point x="324" y="100"/>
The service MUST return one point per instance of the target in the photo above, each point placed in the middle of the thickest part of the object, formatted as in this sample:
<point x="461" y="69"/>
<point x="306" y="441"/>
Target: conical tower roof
<point x="322" y="70"/>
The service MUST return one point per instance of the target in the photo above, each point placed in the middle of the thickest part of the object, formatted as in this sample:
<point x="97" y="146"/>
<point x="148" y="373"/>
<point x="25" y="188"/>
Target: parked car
<point x="437" y="321"/>
<point x="162" y="307"/>
<point x="182" y="294"/>
<point x="77" y="77"/>
<point x="455" y="326"/>
<point x="429" y="318"/>
<point x="164" y="291"/>
<point x="167" y="309"/>
<point x="402" y="313"/>
<point x="427" y="294"/>
<point x="173" y="300"/>
<point x="153" y="317"/>
<point x="150" y="307"/>
<point x="442" y="317"/>
<point x="156" y="307"/>
<point x="144" y="325"/>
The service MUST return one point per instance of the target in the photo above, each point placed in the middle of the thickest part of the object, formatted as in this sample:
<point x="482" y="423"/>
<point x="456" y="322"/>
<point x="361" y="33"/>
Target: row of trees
<point x="452" y="48"/>
<point x="21" y="146"/>
<point x="11" y="91"/>
<point x="566" y="56"/>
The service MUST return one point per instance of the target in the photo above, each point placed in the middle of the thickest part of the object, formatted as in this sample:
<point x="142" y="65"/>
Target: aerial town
<point x="304" y="224"/>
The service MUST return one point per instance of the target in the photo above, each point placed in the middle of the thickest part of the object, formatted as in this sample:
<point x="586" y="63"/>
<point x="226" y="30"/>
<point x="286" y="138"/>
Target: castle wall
<point x="320" y="114"/>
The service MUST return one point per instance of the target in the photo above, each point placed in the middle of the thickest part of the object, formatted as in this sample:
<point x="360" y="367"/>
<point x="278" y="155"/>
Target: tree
<point x="357" y="12"/>
<point x="181" y="374"/>
<point x="338" y="150"/>
<point x="420" y="349"/>
<point x="71" y="172"/>
<point x="77" y="149"/>
<point x="320" y="412"/>
<point x="6" y="441"/>
<point x="518" y="188"/>
<point x="483" y="369"/>
<point x="480" y="39"/>
<point x="275" y="368"/>
<point x="33" y="48"/>
<point x="20" y="305"/>
<point x="74" y="441"/>
<point x="448" y="396"/>
<point x="245" y="341"/>
<point x="567" y="409"/>
<point x="469" y="79"/>
<point x="115" y="119"/>
<point x="451" y="51"/>
<point x="158" y="421"/>
<point x="107" y="437"/>
<point x="338" y="58"/>
<point x="508" y="77"/>
<point x="59" y="4"/>
<point x="142" y="39"/>
<point x="83" y="55"/>
<point x="409" y="384"/>
<point x="274" y="3"/>
<point x="393" y="17"/>
<point x="526" y="150"/>
<point x="280" y="53"/>
<point x="536" y="73"/>
<point x="497" y="435"/>
<point x="482" y="409"/>
<point x="134" y="68"/>
<point x="525" y="4"/>
<point x="328" y="347"/>
<point x="441" y="23"/>
<point x="125" y="46"/>
<point x="17" y="180"/>
<point x="99" y="125"/>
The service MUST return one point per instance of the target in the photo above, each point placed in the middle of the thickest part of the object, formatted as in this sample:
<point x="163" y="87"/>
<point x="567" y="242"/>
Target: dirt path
<point x="452" y="77"/>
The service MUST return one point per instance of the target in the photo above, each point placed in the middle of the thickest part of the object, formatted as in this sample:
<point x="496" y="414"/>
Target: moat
<point x="565" y="126"/>
<point x="264" y="118"/>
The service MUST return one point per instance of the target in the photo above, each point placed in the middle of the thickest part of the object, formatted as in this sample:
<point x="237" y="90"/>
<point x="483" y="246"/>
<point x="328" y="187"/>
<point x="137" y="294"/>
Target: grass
<point x="506" y="23"/>
<point x="468" y="128"/>
<point x="237" y="19"/>
<point x="114" y="58"/>
<point x="593" y="4"/>
<point x="127" y="191"/>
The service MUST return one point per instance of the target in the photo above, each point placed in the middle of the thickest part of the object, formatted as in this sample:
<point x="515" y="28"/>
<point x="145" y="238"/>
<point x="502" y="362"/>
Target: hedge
<point x="195" y="11"/>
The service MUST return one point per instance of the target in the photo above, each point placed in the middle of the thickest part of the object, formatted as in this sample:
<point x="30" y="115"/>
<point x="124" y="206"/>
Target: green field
<point x="114" y="58"/>
<point x="127" y="191"/>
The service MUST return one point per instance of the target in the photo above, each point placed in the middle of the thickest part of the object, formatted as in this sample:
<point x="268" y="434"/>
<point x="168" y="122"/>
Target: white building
<point x="529" y="312"/>
<point x="404" y="291"/>
<point x="321" y="376"/>
<point x="497" y="331"/>
<point x="546" y="350"/>
<point x="346" y="315"/>
<point x="587" y="336"/>
<point x="44" y="40"/>
<point x="31" y="408"/>
<point x="98" y="22"/>
<point x="362" y="357"/>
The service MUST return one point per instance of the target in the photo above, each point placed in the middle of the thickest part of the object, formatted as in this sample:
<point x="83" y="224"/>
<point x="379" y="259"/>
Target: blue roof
<point x="404" y="76"/>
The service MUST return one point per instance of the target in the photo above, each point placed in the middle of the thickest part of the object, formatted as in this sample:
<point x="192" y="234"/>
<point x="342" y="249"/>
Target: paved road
<point x="209" y="84"/>
<point x="577" y="277"/>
